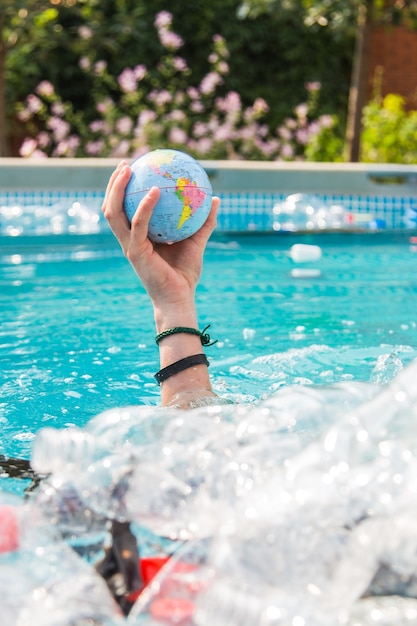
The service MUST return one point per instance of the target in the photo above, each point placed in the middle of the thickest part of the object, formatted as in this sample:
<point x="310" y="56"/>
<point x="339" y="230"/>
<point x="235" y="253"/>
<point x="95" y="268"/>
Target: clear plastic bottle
<point x="43" y="582"/>
<point x="89" y="467"/>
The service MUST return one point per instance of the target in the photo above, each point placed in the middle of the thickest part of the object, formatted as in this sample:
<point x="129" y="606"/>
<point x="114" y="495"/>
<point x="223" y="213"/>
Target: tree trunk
<point x="359" y="82"/>
<point x="4" y="138"/>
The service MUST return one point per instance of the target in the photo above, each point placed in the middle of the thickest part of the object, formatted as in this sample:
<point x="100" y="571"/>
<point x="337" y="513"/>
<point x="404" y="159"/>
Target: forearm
<point x="193" y="383"/>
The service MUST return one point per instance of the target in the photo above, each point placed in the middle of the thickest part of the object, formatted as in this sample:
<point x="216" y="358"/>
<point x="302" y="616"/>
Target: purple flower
<point x="287" y="151"/>
<point x="45" y="88"/>
<point x="177" y="136"/>
<point x="223" y="67"/>
<point x="260" y="106"/>
<point x="179" y="98"/>
<point x="176" y="116"/>
<point x="193" y="93"/>
<point x="127" y="80"/>
<point x="96" y="126"/>
<point x="57" y="109"/>
<point x="204" y="145"/>
<point x="24" y="115"/>
<point x="122" y="149"/>
<point x="313" y="86"/>
<point x="302" y="136"/>
<point x="27" y="147"/>
<point x="43" y="139"/>
<point x="34" y="104"/>
<point x="163" y="19"/>
<point x="326" y="121"/>
<point x="94" y="147"/>
<point x="85" y="32"/>
<point x="179" y="64"/>
<point x="73" y="142"/>
<point x="61" y="149"/>
<point x="313" y="129"/>
<point x="140" y="72"/>
<point x="230" y="104"/>
<point x="284" y="133"/>
<point x="124" y="125"/>
<point x="224" y="133"/>
<point x="301" y="110"/>
<point x="196" y="106"/>
<point x="290" y="123"/>
<point x="60" y="128"/>
<point x="200" y="129"/>
<point x="170" y="40"/>
<point x="146" y="117"/>
<point x="99" y="68"/>
<point x="160" y="98"/>
<point x="84" y="63"/>
<point x="104" y="106"/>
<point x="247" y="133"/>
<point x="38" y="154"/>
<point x="210" y="82"/>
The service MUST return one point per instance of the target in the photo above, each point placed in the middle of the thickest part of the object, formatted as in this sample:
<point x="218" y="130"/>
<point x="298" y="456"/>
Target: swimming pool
<point x="77" y="328"/>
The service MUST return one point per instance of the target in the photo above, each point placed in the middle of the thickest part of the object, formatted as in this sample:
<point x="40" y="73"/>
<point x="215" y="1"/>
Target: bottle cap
<point x="9" y="529"/>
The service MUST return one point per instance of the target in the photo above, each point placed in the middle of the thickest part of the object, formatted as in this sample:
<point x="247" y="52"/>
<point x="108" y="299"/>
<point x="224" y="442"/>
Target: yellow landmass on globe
<point x="157" y="158"/>
<point x="191" y="196"/>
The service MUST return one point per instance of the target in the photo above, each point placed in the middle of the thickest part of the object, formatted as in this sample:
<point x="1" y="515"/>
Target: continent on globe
<point x="186" y="193"/>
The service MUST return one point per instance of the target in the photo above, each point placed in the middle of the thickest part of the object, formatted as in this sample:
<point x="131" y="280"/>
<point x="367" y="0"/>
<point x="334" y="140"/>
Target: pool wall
<point x="377" y="196"/>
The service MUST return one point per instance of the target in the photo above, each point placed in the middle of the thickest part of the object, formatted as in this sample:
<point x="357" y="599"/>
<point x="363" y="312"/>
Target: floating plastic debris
<point x="304" y="253"/>
<point x="310" y="212"/>
<point x="305" y="273"/>
<point x="297" y="509"/>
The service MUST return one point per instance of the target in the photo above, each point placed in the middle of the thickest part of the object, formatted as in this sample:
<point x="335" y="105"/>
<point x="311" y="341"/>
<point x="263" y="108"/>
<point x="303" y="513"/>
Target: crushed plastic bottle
<point x="43" y="582"/>
<point x="305" y="253"/>
<point x="300" y="212"/>
<point x="293" y="509"/>
<point x="89" y="467"/>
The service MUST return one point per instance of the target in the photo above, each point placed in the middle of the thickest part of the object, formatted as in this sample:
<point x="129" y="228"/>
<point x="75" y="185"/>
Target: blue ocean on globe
<point x="186" y="193"/>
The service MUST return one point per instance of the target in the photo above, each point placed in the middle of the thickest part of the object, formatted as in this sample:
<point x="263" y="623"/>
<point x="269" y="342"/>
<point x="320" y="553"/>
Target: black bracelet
<point x="180" y="366"/>
<point x="204" y="337"/>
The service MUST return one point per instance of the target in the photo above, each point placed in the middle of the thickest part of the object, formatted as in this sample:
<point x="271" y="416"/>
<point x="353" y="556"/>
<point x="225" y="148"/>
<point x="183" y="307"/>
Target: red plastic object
<point x="150" y="566"/>
<point x="9" y="529"/>
<point x="174" y="610"/>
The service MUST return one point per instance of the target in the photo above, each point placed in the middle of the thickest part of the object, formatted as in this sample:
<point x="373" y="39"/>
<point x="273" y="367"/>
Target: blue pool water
<point x="77" y="335"/>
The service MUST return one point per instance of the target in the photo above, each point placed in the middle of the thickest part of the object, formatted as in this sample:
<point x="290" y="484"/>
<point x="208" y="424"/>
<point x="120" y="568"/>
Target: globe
<point x="185" y="199"/>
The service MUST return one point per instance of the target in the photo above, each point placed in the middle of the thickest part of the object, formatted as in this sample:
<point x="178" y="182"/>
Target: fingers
<point x="111" y="183"/>
<point x="113" y="204"/>
<point x="203" y="235"/>
<point x="140" y="221"/>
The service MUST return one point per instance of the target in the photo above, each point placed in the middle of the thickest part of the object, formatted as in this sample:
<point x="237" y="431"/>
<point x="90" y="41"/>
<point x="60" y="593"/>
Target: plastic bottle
<point x="43" y="582"/>
<point x="89" y="467"/>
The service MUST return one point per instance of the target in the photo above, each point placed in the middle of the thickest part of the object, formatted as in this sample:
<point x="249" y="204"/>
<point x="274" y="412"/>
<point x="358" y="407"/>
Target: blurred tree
<point x="342" y="16"/>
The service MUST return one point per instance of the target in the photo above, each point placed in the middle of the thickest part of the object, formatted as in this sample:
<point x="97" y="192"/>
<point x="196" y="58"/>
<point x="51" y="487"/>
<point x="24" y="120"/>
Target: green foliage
<point x="271" y="57"/>
<point x="145" y="108"/>
<point x="339" y="15"/>
<point x="389" y="131"/>
<point x="326" y="146"/>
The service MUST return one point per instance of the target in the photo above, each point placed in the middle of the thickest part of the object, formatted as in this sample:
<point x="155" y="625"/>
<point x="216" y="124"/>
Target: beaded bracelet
<point x="180" y="366"/>
<point x="205" y="337"/>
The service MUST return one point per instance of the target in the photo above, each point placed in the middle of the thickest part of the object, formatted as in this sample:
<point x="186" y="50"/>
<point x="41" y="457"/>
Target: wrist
<point x="182" y="313"/>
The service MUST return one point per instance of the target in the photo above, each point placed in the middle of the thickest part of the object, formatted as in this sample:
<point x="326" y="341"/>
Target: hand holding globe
<point x="185" y="194"/>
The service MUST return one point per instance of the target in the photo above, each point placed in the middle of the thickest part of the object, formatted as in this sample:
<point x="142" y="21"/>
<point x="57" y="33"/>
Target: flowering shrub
<point x="143" y="109"/>
<point x="389" y="131"/>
